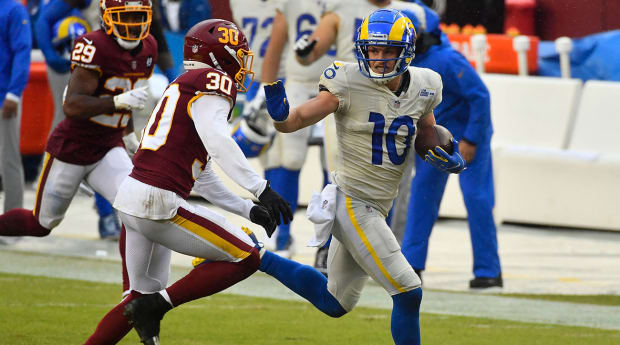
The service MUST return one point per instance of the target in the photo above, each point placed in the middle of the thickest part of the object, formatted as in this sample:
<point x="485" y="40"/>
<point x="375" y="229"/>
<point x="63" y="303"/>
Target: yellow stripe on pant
<point x="368" y="246"/>
<point x="211" y="237"/>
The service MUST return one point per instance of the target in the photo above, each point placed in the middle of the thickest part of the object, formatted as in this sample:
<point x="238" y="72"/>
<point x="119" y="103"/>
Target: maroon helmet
<point x="219" y="44"/>
<point x="129" y="21"/>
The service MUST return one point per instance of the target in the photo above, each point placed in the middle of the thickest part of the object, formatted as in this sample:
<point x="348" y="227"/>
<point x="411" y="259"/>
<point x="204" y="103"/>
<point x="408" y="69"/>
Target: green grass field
<point x="38" y="310"/>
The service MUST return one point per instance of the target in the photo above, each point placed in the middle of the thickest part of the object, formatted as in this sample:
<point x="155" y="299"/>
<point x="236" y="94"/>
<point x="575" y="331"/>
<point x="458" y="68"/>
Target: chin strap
<point x="128" y="45"/>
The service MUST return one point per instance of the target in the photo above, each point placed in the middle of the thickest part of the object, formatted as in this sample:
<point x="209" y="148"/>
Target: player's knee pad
<point x="403" y="277"/>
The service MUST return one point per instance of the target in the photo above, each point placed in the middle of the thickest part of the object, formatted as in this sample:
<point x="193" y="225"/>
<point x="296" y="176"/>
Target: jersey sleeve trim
<point x="195" y="98"/>
<point x="95" y="68"/>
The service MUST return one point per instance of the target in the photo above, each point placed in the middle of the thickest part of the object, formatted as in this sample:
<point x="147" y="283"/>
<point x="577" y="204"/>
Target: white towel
<point x="322" y="211"/>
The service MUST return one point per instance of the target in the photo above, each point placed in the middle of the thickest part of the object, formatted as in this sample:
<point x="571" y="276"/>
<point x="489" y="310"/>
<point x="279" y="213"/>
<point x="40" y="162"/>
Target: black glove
<point x="277" y="206"/>
<point x="259" y="215"/>
<point x="303" y="46"/>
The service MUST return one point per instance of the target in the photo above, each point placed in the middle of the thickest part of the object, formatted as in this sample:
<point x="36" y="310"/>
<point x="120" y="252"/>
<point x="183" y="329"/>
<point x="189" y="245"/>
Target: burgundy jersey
<point x="86" y="141"/>
<point x="171" y="154"/>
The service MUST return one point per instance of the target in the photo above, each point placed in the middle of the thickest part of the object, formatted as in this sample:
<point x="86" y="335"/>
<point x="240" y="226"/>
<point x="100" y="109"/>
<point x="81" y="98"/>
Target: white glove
<point x="131" y="143"/>
<point x="256" y="104"/>
<point x="303" y="46"/>
<point x="132" y="99"/>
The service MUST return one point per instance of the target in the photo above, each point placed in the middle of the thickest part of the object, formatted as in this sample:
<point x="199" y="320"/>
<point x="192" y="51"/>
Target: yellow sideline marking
<point x="372" y="252"/>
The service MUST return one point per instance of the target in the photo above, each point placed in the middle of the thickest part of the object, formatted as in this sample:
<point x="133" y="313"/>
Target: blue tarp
<point x="593" y="57"/>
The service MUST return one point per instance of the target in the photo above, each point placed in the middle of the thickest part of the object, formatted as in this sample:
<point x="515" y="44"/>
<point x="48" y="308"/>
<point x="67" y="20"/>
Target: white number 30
<point x="219" y="81"/>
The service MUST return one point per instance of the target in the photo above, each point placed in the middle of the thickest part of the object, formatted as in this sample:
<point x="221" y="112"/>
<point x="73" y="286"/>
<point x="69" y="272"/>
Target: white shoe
<point x="289" y="250"/>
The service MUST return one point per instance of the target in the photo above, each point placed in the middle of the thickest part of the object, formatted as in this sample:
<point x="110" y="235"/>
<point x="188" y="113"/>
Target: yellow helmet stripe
<point x="364" y="29"/>
<point x="63" y="29"/>
<point x="398" y="29"/>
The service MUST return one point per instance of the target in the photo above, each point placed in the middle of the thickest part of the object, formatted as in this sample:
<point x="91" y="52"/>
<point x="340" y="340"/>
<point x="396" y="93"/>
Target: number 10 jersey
<point x="375" y="129"/>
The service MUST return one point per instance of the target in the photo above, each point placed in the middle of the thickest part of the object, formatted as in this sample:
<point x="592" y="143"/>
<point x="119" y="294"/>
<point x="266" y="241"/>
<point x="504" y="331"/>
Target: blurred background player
<point x="15" y="46"/>
<point x="367" y="99"/>
<point x="54" y="18"/>
<point x="286" y="156"/>
<point x="466" y="112"/>
<point x="255" y="19"/>
<point x="186" y="131"/>
<point x="110" y="68"/>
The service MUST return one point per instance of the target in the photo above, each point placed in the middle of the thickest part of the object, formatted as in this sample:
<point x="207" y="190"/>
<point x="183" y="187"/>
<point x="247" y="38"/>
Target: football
<point x="431" y="137"/>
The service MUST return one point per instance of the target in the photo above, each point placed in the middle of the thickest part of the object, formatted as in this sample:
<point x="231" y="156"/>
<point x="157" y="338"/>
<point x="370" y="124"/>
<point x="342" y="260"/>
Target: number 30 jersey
<point x="86" y="141"/>
<point x="171" y="154"/>
<point x="375" y="129"/>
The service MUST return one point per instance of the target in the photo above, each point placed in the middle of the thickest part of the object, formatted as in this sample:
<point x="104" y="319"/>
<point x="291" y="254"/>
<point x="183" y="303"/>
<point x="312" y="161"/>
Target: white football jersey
<point x="255" y="18"/>
<point x="375" y="129"/>
<point x="302" y="18"/>
<point x="352" y="13"/>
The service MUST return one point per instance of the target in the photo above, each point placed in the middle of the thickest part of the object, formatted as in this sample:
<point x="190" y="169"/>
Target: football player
<point x="186" y="131"/>
<point x="378" y="103"/>
<point x="284" y="160"/>
<point x="338" y="26"/>
<point x="110" y="68"/>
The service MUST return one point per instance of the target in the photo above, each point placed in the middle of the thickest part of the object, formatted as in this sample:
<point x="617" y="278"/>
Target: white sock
<point x="165" y="295"/>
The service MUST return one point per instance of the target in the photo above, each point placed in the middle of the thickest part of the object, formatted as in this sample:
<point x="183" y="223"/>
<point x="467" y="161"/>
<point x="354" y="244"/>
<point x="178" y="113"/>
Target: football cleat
<point x="288" y="250"/>
<point x="485" y="283"/>
<point x="145" y="314"/>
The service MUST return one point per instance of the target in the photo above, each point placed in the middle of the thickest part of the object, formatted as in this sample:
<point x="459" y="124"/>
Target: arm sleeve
<point x="50" y="14"/>
<point x="210" y="115"/>
<point x="476" y="93"/>
<point x="20" y="45"/>
<point x="210" y="187"/>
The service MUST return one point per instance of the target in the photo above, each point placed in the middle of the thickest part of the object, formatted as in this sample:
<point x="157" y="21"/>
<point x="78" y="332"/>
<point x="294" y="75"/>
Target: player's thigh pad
<point x="148" y="262"/>
<point x="107" y="175"/>
<point x="200" y="232"/>
<point x="346" y="279"/>
<point x="363" y="231"/>
<point x="58" y="183"/>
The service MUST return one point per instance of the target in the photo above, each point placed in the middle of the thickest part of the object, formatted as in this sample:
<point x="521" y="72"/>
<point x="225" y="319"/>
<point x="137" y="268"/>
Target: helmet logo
<point x="195" y="48"/>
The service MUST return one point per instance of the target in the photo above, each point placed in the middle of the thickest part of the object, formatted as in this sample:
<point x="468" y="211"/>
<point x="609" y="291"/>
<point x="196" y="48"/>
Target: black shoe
<point x="320" y="260"/>
<point x="419" y="273"/>
<point x="144" y="314"/>
<point x="484" y="283"/>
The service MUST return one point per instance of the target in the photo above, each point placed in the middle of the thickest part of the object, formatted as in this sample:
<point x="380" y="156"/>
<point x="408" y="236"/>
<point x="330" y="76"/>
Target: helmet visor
<point x="131" y="23"/>
<point x="245" y="76"/>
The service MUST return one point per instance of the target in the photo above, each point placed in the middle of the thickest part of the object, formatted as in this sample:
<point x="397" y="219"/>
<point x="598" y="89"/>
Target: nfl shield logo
<point x="396" y="103"/>
<point x="134" y="65"/>
<point x="195" y="48"/>
<point x="149" y="61"/>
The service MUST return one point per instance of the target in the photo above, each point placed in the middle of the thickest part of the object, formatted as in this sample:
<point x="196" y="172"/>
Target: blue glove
<point x="443" y="161"/>
<point x="277" y="103"/>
